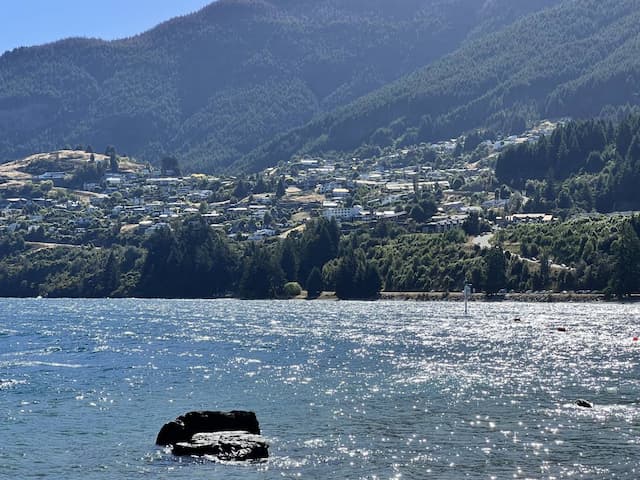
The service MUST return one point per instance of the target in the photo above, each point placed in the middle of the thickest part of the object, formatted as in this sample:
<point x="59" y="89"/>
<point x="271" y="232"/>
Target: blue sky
<point x="32" y="22"/>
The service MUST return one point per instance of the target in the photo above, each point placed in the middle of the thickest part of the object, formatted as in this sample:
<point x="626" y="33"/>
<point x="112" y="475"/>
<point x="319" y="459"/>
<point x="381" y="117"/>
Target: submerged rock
<point x="584" y="403"/>
<point x="229" y="446"/>
<point x="231" y="435"/>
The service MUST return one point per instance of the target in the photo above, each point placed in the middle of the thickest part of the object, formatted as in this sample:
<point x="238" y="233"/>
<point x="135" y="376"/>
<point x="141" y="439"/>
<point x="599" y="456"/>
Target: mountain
<point x="215" y="85"/>
<point x="574" y="59"/>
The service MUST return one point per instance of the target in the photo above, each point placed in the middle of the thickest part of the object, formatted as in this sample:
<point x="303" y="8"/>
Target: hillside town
<point x="78" y="197"/>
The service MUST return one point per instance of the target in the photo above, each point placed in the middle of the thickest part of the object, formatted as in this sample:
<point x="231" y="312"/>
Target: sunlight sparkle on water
<point x="362" y="390"/>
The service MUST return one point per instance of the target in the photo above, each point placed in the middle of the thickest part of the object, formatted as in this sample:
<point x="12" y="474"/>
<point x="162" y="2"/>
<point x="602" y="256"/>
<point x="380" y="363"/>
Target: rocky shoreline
<point x="540" y="297"/>
<point x="507" y="297"/>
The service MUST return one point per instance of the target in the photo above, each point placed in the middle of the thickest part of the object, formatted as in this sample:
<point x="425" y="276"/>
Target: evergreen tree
<point x="170" y="165"/>
<point x="160" y="266"/>
<point x="262" y="276"/>
<point x="495" y="270"/>
<point x="192" y="261"/>
<point x="371" y="281"/>
<point x="624" y="137"/>
<point x="314" y="283"/>
<point x="626" y="273"/>
<point x="417" y="214"/>
<point x="280" y="188"/>
<point x="113" y="163"/>
<point x="289" y="259"/>
<point x="260" y="186"/>
<point x="471" y="225"/>
<point x="110" y="274"/>
<point x="633" y="154"/>
<point x="356" y="278"/>
<point x="318" y="245"/>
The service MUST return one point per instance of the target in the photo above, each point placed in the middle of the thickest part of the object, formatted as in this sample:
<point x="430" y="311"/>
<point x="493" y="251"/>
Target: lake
<point x="357" y="390"/>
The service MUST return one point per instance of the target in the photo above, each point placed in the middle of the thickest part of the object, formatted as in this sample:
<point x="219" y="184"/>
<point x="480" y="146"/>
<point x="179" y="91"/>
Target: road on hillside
<point x="36" y="246"/>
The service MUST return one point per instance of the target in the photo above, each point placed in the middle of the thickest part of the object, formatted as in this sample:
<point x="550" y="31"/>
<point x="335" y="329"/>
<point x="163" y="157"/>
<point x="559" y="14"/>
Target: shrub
<point x="292" y="289"/>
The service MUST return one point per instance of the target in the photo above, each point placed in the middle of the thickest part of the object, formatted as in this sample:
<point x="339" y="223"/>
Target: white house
<point x="344" y="213"/>
<point x="340" y="192"/>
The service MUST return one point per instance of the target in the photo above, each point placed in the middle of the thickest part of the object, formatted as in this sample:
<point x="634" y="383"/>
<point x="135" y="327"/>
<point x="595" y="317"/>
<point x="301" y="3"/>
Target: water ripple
<point x="349" y="390"/>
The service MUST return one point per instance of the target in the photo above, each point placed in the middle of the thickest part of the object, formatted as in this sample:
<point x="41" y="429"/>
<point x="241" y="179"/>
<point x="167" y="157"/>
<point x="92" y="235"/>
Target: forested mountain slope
<point x="590" y="165"/>
<point x="570" y="60"/>
<point x="216" y="84"/>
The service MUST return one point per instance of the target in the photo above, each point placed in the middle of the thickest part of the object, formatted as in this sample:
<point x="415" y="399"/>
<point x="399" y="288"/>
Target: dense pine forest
<point x="576" y="59"/>
<point x="590" y="165"/>
<point x="212" y="86"/>
<point x="245" y="85"/>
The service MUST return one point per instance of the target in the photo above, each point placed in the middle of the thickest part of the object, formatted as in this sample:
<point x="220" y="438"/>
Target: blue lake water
<point x="342" y="390"/>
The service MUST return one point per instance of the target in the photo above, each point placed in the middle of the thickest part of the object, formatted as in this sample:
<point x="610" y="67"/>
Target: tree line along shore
<point x="577" y="259"/>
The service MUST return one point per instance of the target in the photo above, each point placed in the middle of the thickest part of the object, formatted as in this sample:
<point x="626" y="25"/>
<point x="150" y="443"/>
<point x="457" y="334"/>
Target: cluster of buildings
<point x="142" y="200"/>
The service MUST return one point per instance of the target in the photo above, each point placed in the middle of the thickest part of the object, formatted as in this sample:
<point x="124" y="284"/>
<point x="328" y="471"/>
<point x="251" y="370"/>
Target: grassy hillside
<point x="214" y="85"/>
<point x="570" y="60"/>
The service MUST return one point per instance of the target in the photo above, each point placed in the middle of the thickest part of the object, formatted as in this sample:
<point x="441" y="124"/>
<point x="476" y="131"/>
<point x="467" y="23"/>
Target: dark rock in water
<point x="186" y="426"/>
<point x="561" y="329"/>
<point x="230" y="436"/>
<point x="584" y="403"/>
<point x="517" y="320"/>
<point x="228" y="446"/>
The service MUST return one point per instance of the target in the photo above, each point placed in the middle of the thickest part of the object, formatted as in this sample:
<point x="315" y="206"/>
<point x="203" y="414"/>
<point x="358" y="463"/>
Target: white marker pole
<point x="467" y="294"/>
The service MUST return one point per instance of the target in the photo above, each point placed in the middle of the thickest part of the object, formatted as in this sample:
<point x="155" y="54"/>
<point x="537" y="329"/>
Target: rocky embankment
<point x="542" y="297"/>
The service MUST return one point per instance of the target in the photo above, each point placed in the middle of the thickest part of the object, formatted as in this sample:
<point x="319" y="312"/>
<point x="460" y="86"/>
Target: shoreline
<point x="507" y="297"/>
<point x="547" y="297"/>
<point x="569" y="297"/>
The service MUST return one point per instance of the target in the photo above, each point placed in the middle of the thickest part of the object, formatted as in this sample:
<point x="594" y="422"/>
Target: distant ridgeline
<point x="244" y="85"/>
<point x="590" y="165"/>
<point x="572" y="60"/>
<point x="212" y="86"/>
<point x="249" y="84"/>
